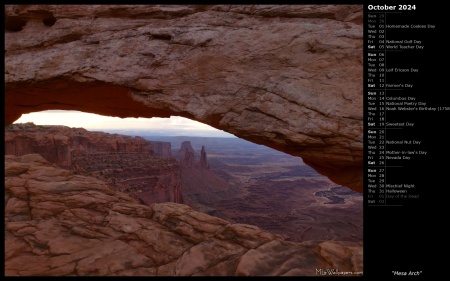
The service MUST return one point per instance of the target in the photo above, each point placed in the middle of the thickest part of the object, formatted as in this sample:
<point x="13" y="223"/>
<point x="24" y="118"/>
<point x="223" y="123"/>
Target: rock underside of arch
<point x="288" y="77"/>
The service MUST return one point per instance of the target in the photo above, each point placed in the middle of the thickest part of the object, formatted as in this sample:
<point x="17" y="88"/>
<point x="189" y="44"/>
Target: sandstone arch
<point x="289" y="77"/>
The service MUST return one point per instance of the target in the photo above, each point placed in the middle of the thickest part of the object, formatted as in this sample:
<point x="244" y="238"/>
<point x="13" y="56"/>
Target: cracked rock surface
<point x="288" y="77"/>
<point x="61" y="224"/>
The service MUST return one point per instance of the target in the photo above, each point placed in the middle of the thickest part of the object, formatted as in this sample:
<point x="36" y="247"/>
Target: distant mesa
<point x="186" y="156"/>
<point x="58" y="144"/>
<point x="185" y="146"/>
<point x="160" y="148"/>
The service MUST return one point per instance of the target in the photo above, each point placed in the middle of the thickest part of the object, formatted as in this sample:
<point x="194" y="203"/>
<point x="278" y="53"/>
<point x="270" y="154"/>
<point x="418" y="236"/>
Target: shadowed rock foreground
<point x="58" y="223"/>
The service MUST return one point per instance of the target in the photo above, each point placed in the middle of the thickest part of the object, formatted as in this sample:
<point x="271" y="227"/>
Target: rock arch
<point x="288" y="77"/>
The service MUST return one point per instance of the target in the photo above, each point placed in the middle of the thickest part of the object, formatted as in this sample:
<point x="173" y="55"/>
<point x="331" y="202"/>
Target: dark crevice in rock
<point x="126" y="12"/>
<point x="47" y="17"/>
<point x="162" y="36"/>
<point x="14" y="23"/>
<point x="49" y="21"/>
<point x="63" y="39"/>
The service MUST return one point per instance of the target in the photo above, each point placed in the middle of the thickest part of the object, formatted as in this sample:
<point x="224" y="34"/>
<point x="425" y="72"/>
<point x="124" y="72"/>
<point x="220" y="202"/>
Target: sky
<point x="173" y="126"/>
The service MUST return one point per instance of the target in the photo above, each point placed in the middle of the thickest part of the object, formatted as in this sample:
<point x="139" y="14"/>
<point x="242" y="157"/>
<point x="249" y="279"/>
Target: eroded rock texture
<point x="289" y="77"/>
<point x="140" y="168"/>
<point x="61" y="224"/>
<point x="60" y="144"/>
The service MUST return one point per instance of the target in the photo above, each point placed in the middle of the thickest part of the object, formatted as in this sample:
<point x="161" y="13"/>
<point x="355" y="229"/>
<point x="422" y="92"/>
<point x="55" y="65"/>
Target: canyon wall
<point x="161" y="148"/>
<point x="61" y="224"/>
<point x="288" y="77"/>
<point x="142" y="169"/>
<point x="58" y="143"/>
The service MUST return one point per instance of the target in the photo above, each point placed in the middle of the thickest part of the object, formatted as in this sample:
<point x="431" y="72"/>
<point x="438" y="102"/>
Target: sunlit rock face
<point x="289" y="77"/>
<point x="61" y="224"/>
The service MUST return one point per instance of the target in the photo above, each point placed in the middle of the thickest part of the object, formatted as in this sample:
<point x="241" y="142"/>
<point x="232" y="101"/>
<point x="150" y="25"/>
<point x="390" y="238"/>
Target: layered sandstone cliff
<point x="161" y="148"/>
<point x="58" y="144"/>
<point x="289" y="77"/>
<point x="61" y="224"/>
<point x="142" y="169"/>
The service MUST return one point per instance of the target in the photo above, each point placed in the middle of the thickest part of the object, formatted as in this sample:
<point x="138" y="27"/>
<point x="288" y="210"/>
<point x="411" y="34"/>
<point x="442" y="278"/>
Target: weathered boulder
<point x="61" y="224"/>
<point x="289" y="77"/>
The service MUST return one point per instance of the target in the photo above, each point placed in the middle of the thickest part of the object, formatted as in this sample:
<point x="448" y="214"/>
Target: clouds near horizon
<point x="173" y="125"/>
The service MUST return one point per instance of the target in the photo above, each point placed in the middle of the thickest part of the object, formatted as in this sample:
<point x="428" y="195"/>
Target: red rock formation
<point x="161" y="149"/>
<point x="147" y="178"/>
<point x="61" y="224"/>
<point x="132" y="165"/>
<point x="166" y="189"/>
<point x="185" y="145"/>
<point x="203" y="164"/>
<point x="288" y="77"/>
<point x="27" y="138"/>
<point x="200" y="186"/>
<point x="186" y="154"/>
<point x="188" y="159"/>
<point x="57" y="144"/>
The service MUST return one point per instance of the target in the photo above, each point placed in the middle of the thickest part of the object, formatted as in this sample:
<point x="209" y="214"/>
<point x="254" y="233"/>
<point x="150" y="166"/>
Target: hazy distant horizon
<point x="150" y="133"/>
<point x="173" y="126"/>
